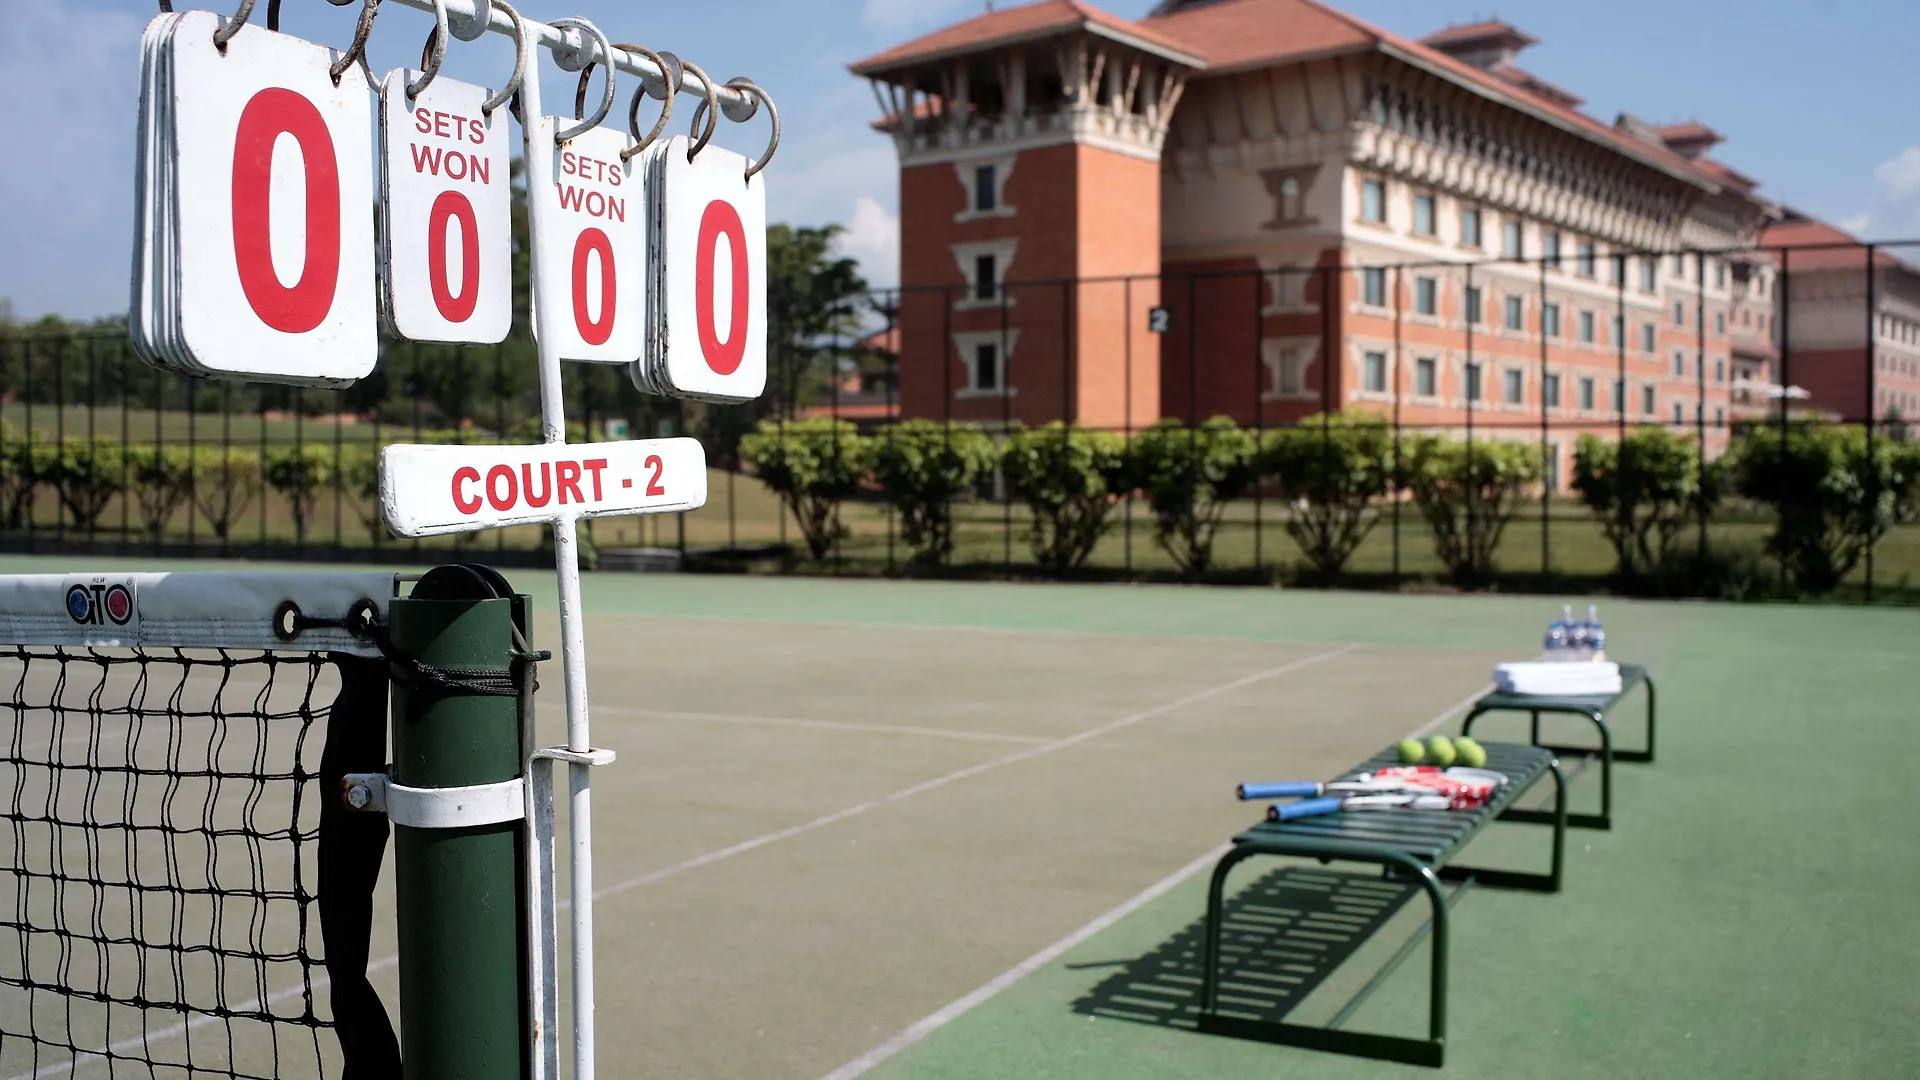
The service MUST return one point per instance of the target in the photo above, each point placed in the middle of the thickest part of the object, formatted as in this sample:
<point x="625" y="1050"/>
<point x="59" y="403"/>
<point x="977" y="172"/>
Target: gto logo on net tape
<point x="100" y="604"/>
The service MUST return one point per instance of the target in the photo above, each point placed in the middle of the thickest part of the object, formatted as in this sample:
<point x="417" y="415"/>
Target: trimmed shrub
<point x="1831" y="496"/>
<point x="1334" y="470"/>
<point x="88" y="474"/>
<point x="1070" y="479"/>
<point x="225" y="484"/>
<point x="24" y="467"/>
<point x="300" y="475"/>
<point x="1189" y="476"/>
<point x="1644" y="491"/>
<point x="1467" y="495"/>
<point x="922" y="467"/>
<point x="813" y="465"/>
<point x="162" y="479"/>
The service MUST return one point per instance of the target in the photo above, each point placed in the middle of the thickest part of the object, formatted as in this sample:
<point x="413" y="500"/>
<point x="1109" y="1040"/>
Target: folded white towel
<point x="1550" y="679"/>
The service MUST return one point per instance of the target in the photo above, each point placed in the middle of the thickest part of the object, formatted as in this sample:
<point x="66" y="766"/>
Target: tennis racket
<point x="1335" y="804"/>
<point x="1467" y="787"/>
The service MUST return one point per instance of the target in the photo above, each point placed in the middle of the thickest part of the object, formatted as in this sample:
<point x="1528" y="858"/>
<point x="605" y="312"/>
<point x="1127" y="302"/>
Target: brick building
<point x="1294" y="186"/>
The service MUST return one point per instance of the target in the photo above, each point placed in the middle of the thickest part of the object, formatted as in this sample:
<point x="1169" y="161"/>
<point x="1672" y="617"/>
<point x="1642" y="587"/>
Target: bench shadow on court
<point x="1283" y="935"/>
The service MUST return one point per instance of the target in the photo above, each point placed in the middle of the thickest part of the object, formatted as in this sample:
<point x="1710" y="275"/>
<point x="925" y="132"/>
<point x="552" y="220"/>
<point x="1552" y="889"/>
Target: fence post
<point x="1399" y="283"/>
<point x="1259" y="408"/>
<point x="1873" y="468"/>
<point x="1700" y="384"/>
<point x="461" y="911"/>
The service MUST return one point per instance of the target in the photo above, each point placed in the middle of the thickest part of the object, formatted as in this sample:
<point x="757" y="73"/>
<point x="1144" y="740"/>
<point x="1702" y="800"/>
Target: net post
<point x="463" y="934"/>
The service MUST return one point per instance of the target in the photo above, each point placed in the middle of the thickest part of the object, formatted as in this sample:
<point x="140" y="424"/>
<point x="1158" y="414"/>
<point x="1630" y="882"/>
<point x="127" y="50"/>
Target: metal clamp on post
<point x="543" y="915"/>
<point x="435" y="808"/>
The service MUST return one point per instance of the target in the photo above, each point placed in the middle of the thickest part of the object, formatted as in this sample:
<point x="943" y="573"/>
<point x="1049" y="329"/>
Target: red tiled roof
<point x="1015" y="24"/>
<point x="1691" y="131"/>
<point x="887" y="340"/>
<point x="1240" y="34"/>
<point x="1726" y="173"/>
<point x="1806" y="236"/>
<point x="1491" y="28"/>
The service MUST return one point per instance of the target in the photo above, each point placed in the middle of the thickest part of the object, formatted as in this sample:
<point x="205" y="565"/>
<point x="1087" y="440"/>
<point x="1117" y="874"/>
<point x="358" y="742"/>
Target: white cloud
<point x="1856" y="224"/>
<point x="873" y="237"/>
<point x="890" y="17"/>
<point x="1899" y="176"/>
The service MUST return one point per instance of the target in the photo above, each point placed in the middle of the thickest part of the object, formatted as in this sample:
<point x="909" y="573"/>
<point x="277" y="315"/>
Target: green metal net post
<point x="464" y="1009"/>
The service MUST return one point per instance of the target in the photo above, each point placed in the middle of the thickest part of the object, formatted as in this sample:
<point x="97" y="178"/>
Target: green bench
<point x="1416" y="844"/>
<point x="1594" y="708"/>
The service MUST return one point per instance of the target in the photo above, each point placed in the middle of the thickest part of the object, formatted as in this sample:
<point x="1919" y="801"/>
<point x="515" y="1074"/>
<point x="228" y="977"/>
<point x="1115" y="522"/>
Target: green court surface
<point x="915" y="830"/>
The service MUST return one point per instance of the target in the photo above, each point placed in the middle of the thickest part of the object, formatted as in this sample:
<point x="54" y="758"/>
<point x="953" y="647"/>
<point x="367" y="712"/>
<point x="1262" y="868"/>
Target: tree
<point x="162" y="479"/>
<point x="813" y="465"/>
<point x="1467" y="493"/>
<point x="1333" y="469"/>
<point x="922" y="467"/>
<point x="1189" y="476"/>
<point x="1071" y="479"/>
<point x="226" y="481"/>
<point x="1643" y="490"/>
<point x="88" y="474"/>
<point x="1833" y="493"/>
<point x="299" y="474"/>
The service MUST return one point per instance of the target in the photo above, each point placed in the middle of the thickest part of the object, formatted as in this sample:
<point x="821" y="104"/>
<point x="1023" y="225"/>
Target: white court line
<point x="819" y="725"/>
<point x="961" y="1006"/>
<point x="962" y="774"/>
<point x="821" y="822"/>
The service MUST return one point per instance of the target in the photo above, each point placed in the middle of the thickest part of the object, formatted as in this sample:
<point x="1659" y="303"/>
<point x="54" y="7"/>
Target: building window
<point x="1423" y="213"/>
<point x="1746" y="318"/>
<point x="1680" y="265"/>
<point x="1586" y="327"/>
<point x="1679" y="364"/>
<point x="1373" y="283"/>
<point x="1514" y="386"/>
<point x="1586" y="394"/>
<point x="1550" y="249"/>
<point x="1290" y="199"/>
<point x="986" y="366"/>
<point x="1470" y="226"/>
<point x="1426" y="296"/>
<point x="1678" y="415"/>
<point x="1719" y="371"/>
<point x="986" y="194"/>
<point x="984" y="286"/>
<point x="1719" y="416"/>
<point x="1646" y="337"/>
<point x="1679" y="313"/>
<point x="1473" y="305"/>
<point x="1473" y="380"/>
<point x="1587" y="269"/>
<point x="1649" y="273"/>
<point x="1426" y="376"/>
<point x="1719" y="324"/>
<point x="1373" y="200"/>
<point x="1550" y="320"/>
<point x="1375" y="371"/>
<point x="1510" y="239"/>
<point x="1619" y="331"/>
<point x="1516" y="313"/>
<point x="1551" y="387"/>
<point x="1719" y="273"/>
<point x="1619" y="397"/>
<point x="1646" y="400"/>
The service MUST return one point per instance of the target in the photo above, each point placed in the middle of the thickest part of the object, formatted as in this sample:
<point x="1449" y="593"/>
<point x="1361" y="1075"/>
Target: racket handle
<point x="1291" y="789"/>
<point x="1307" y="808"/>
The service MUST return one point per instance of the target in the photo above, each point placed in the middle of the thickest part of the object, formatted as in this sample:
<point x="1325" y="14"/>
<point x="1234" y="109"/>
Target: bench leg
<point x="1644" y="757"/>
<point x="1517" y="879"/>
<point x="1430" y="1051"/>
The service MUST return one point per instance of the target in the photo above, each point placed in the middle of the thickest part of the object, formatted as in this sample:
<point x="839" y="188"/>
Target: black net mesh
<point x="161" y="863"/>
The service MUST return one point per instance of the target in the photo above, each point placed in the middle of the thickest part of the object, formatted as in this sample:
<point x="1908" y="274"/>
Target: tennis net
<point x="183" y="893"/>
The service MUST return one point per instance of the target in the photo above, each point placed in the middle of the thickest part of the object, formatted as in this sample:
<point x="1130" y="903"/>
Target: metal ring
<point x="521" y="48"/>
<point x="357" y="50"/>
<point x="710" y="108"/>
<point x="751" y="90"/>
<point x="633" y="107"/>
<point x="474" y="28"/>
<point x="433" y="53"/>
<point x="224" y="33"/>
<point x="606" y="101"/>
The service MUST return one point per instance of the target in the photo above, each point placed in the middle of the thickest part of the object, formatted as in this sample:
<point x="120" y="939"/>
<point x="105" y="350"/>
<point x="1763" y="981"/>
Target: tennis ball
<point x="1411" y="752"/>
<point x="1471" y="754"/>
<point x="1440" y="751"/>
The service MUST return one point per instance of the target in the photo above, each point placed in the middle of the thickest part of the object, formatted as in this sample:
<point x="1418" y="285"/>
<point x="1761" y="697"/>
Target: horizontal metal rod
<point x="736" y="105"/>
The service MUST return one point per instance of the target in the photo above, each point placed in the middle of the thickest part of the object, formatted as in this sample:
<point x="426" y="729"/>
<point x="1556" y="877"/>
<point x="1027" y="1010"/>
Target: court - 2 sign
<point x="434" y="490"/>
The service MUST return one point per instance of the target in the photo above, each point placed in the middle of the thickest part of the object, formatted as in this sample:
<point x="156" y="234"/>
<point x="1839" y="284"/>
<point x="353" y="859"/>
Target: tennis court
<point x="930" y="830"/>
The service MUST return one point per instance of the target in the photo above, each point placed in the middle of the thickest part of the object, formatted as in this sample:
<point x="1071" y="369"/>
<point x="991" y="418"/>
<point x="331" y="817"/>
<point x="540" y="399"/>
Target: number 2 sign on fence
<point x="446" y="243"/>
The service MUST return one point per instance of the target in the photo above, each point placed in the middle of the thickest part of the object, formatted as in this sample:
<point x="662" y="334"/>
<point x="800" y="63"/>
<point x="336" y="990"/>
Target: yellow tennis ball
<point x="1470" y="753"/>
<point x="1411" y="752"/>
<point x="1440" y="751"/>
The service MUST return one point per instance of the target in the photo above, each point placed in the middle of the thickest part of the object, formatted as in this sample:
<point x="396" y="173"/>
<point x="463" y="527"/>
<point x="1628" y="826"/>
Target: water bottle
<point x="1576" y="634"/>
<point x="1596" y="634"/>
<point x="1556" y="641"/>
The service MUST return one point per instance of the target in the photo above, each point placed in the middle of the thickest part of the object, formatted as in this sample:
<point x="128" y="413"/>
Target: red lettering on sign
<point x="594" y="465"/>
<point x="494" y="476"/>
<point x="465" y="474"/>
<point x="452" y="204"/>
<point x="592" y="203"/>
<point x="567" y="474"/>
<point x="591" y="331"/>
<point x="653" y="482"/>
<point x="546" y="484"/>
<point x="266" y="116"/>
<point x="721" y="220"/>
<point x="434" y="161"/>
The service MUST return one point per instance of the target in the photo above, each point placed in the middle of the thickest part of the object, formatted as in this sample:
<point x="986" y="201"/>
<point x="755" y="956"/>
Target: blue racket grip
<point x="1309" y="808"/>
<point x="1291" y="789"/>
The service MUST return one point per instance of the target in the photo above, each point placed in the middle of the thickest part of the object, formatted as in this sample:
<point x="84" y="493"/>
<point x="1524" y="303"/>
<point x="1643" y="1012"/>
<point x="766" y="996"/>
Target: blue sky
<point x="1817" y="101"/>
